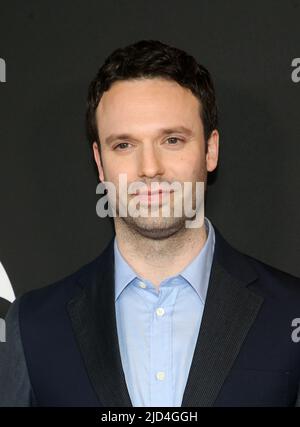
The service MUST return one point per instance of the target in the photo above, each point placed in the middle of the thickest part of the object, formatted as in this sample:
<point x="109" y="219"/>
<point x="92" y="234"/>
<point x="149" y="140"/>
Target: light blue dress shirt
<point x="157" y="331"/>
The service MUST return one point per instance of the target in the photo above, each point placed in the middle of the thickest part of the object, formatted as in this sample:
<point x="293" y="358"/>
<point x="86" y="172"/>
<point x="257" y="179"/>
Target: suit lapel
<point x="94" y="322"/>
<point x="230" y="310"/>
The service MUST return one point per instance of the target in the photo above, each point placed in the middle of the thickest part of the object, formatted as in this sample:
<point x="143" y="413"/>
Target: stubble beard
<point x="159" y="227"/>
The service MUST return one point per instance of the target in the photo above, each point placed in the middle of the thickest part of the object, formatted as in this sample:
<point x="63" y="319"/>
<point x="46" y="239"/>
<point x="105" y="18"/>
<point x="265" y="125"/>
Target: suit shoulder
<point x="248" y="268"/>
<point x="275" y="279"/>
<point x="60" y="291"/>
<point x="261" y="266"/>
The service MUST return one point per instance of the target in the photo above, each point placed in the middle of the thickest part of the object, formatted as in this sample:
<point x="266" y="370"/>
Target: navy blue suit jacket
<point x="62" y="345"/>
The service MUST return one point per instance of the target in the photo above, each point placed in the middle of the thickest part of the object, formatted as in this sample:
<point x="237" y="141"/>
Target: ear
<point x="97" y="158"/>
<point x="212" y="151"/>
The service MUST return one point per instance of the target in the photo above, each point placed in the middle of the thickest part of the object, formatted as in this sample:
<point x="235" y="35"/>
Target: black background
<point x="52" y="49"/>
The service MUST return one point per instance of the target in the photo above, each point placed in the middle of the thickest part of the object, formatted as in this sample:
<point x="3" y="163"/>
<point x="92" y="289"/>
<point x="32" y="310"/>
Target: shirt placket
<point x="161" y="390"/>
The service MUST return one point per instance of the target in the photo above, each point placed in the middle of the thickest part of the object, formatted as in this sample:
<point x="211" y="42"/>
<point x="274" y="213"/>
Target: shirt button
<point x="160" y="311"/>
<point x="142" y="285"/>
<point x="160" y="375"/>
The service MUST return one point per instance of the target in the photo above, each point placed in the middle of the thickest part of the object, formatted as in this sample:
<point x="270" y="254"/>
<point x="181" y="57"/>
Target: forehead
<point x="146" y="103"/>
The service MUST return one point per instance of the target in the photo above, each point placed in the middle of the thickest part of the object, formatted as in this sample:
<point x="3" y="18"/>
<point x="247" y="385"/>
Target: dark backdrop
<point x="52" y="49"/>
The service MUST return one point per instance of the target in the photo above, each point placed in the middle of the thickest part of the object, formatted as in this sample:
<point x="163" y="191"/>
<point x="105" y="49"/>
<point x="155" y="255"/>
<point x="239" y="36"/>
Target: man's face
<point x="151" y="130"/>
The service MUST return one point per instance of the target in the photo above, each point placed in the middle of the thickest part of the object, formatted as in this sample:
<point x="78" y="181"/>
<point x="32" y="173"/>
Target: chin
<point x="160" y="229"/>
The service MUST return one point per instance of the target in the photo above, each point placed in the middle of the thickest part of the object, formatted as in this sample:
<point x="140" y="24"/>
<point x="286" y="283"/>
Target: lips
<point x="152" y="197"/>
<point x="152" y="193"/>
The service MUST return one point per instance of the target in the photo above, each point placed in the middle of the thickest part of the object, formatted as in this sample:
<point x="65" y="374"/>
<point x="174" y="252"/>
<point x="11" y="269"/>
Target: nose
<point x="149" y="162"/>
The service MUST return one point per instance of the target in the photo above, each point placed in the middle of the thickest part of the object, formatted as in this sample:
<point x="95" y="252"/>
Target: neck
<point x="157" y="259"/>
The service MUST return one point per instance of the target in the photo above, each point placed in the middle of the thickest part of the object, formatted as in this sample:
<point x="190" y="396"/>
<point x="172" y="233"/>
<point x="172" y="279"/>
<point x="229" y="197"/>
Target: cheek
<point x="190" y="170"/>
<point x="112" y="168"/>
<point x="115" y="174"/>
<point x="198" y="165"/>
<point x="191" y="164"/>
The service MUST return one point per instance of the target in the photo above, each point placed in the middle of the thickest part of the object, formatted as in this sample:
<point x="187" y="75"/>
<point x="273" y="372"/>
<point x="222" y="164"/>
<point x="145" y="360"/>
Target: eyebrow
<point x="161" y="132"/>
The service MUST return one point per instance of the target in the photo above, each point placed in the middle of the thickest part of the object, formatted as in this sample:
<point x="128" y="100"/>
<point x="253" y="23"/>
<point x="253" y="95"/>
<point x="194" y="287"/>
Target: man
<point x="169" y="314"/>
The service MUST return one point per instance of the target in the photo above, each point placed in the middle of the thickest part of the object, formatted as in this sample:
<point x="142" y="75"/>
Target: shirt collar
<point x="196" y="273"/>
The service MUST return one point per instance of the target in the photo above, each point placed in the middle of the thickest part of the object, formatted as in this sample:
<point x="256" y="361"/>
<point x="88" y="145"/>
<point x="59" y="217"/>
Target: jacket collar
<point x="230" y="310"/>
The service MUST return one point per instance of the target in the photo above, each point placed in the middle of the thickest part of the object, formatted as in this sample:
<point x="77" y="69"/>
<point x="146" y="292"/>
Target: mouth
<point x="150" y="193"/>
<point x="152" y="196"/>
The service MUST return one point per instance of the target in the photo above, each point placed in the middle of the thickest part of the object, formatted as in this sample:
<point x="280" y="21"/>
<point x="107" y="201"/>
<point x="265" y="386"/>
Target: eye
<point x="121" y="146"/>
<point x="174" y="140"/>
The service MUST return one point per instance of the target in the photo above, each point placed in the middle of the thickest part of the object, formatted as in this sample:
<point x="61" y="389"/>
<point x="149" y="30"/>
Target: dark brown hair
<point x="150" y="59"/>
